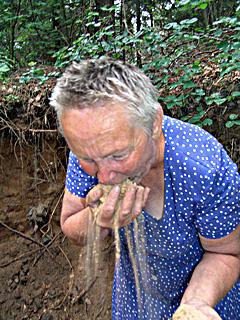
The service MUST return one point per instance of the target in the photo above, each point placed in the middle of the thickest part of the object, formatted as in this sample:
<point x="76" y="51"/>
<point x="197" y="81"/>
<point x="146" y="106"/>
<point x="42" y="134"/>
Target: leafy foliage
<point x="190" y="49"/>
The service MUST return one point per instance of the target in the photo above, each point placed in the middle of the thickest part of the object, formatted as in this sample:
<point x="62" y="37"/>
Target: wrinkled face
<point x="107" y="144"/>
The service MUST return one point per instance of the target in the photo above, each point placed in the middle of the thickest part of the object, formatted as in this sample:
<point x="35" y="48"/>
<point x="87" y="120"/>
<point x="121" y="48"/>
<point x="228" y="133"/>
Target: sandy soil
<point x="42" y="274"/>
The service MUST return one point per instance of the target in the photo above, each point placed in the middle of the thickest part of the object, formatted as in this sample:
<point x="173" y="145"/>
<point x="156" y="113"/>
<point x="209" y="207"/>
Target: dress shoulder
<point x="78" y="182"/>
<point x="204" y="179"/>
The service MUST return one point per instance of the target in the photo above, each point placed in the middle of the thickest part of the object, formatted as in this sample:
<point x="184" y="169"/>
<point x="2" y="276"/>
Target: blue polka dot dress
<point x="158" y="256"/>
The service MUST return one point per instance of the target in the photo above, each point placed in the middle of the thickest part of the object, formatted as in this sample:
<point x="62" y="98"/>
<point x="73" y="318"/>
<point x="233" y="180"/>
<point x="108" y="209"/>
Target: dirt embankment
<point x="42" y="274"/>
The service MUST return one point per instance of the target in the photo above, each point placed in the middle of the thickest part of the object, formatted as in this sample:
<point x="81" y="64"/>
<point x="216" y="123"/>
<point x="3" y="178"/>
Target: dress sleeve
<point x="219" y="214"/>
<point x="78" y="182"/>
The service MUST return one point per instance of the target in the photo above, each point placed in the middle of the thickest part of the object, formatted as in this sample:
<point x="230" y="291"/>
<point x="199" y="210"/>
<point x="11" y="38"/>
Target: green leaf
<point x="229" y="124"/>
<point x="175" y="85"/>
<point x="188" y="21"/>
<point x="32" y="63"/>
<point x="107" y="8"/>
<point x="199" y="109"/>
<point x="235" y="94"/>
<point x="185" y="118"/>
<point x="38" y="72"/>
<point x="172" y="25"/>
<point x="4" y="68"/>
<point x="203" y="6"/>
<point x="196" y="63"/>
<point x="182" y="97"/>
<point x="233" y="116"/>
<point x="169" y="98"/>
<point x="189" y="84"/>
<point x="218" y="33"/>
<point x="195" y="119"/>
<point x="207" y="122"/>
<point x="199" y="92"/>
<point x="228" y="70"/>
<point x="208" y="100"/>
<point x="224" y="45"/>
<point x="171" y="104"/>
<point x="220" y="101"/>
<point x="183" y="2"/>
<point x="226" y="20"/>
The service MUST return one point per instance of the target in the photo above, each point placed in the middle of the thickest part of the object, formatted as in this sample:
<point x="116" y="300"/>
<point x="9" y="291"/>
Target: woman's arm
<point x="75" y="217"/>
<point x="77" y="213"/>
<point x="215" y="275"/>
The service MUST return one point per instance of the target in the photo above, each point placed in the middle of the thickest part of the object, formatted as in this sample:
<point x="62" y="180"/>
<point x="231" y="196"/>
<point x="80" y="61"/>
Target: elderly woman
<point x="186" y="198"/>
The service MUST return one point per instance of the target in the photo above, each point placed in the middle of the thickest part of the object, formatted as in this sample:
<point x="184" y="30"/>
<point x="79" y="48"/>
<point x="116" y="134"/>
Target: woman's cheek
<point x="127" y="166"/>
<point x="89" y="168"/>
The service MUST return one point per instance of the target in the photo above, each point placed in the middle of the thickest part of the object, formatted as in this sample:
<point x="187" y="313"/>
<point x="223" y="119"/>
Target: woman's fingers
<point x="127" y="204"/>
<point x="146" y="194"/>
<point x="109" y="205"/>
<point x="139" y="202"/>
<point x="133" y="203"/>
<point x="129" y="207"/>
<point x="93" y="196"/>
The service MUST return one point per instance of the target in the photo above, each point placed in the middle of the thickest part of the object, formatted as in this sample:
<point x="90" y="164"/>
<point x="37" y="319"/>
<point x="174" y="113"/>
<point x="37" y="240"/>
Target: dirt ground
<point x="42" y="274"/>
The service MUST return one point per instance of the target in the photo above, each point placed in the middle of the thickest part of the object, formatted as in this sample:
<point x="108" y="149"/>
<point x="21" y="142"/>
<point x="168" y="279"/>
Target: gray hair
<point x="90" y="82"/>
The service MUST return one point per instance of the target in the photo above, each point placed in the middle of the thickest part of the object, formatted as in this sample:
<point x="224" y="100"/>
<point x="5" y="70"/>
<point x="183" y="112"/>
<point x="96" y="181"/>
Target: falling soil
<point x="135" y="240"/>
<point x="42" y="274"/>
<point x="94" y="232"/>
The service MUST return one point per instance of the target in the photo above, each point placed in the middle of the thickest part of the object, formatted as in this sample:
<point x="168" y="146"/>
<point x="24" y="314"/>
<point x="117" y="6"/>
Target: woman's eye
<point x="120" y="157"/>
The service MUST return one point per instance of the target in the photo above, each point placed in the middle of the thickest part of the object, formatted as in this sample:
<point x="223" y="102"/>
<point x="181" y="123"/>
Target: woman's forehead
<point x="108" y="138"/>
<point x="89" y="120"/>
<point x="102" y="130"/>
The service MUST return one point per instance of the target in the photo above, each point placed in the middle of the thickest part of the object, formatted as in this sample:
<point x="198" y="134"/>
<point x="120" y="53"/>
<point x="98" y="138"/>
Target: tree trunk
<point x="205" y="17"/>
<point x="12" y="30"/>
<point x="150" y="11"/>
<point x="138" y="17"/>
<point x="122" y="26"/>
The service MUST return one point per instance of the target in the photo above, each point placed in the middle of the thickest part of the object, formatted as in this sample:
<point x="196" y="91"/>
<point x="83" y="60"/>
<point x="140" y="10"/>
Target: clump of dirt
<point x="187" y="312"/>
<point x="42" y="273"/>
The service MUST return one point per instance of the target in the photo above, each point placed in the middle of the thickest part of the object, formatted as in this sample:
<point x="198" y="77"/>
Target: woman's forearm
<point x="213" y="277"/>
<point x="76" y="227"/>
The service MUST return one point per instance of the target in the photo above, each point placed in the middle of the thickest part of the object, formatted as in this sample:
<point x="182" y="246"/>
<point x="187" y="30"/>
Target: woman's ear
<point x="157" y="124"/>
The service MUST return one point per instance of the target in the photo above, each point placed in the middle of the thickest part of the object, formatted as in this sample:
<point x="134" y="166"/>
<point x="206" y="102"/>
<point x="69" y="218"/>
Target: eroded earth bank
<point x="42" y="274"/>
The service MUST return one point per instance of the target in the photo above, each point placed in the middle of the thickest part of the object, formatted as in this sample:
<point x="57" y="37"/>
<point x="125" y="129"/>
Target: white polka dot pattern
<point x="77" y="181"/>
<point x="201" y="196"/>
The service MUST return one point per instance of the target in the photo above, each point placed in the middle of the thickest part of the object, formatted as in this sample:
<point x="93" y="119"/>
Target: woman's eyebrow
<point x="117" y="153"/>
<point x="123" y="152"/>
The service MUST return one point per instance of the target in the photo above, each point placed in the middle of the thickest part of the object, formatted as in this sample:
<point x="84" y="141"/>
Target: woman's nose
<point x="105" y="173"/>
